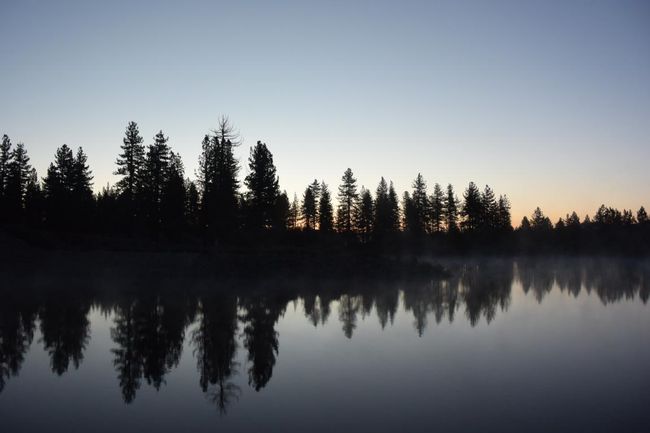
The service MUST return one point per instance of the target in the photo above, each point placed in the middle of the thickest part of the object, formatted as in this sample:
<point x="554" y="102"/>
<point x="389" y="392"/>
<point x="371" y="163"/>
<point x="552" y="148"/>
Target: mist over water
<point x="497" y="345"/>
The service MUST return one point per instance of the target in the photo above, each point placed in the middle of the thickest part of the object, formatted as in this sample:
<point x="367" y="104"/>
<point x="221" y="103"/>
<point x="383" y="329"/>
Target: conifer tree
<point x="539" y="221"/>
<point x="410" y="220"/>
<point x="642" y="216"/>
<point x="382" y="209"/>
<point x="420" y="202"/>
<point x="572" y="220"/>
<point x="17" y="177"/>
<point x="347" y="198"/>
<point x="472" y="209"/>
<point x="34" y="200"/>
<point x="68" y="189"/>
<point x="504" y="221"/>
<point x="437" y="205"/>
<point x="5" y="159"/>
<point x="309" y="209"/>
<point x="294" y="213"/>
<point x="156" y="171"/>
<point x="263" y="186"/>
<point x="364" y="215"/>
<point x="192" y="208"/>
<point x="489" y="210"/>
<point x="281" y="212"/>
<point x="325" y="210"/>
<point x="451" y="210"/>
<point x="394" y="208"/>
<point x="173" y="196"/>
<point x="130" y="165"/>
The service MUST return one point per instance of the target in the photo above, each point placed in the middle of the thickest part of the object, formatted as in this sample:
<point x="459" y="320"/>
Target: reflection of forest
<point x="149" y="328"/>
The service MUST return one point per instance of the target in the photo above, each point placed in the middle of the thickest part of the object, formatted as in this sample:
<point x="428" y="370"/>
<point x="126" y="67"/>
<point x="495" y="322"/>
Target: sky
<point x="548" y="102"/>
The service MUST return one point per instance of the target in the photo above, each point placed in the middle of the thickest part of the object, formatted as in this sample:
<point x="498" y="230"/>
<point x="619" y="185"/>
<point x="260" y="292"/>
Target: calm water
<point x="498" y="346"/>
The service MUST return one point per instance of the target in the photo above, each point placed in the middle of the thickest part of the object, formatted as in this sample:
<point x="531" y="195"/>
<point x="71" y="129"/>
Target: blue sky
<point x="548" y="102"/>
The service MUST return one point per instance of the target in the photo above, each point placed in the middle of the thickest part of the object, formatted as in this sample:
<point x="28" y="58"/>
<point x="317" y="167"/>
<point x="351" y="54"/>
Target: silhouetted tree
<point x="263" y="186"/>
<point x="5" y="160"/>
<point x="155" y="176"/>
<point x="34" y="200"/>
<point x="309" y="209"/>
<point x="281" y="210"/>
<point x="394" y="213"/>
<point x="437" y="208"/>
<point x="192" y="209"/>
<point x="504" y="221"/>
<point x="540" y="222"/>
<point x="642" y="216"/>
<point x="217" y="179"/>
<point x="130" y="165"/>
<point x="325" y="210"/>
<point x="173" y="199"/>
<point x="472" y="209"/>
<point x="420" y="203"/>
<point x="382" y="222"/>
<point x="364" y="215"/>
<point x="68" y="189"/>
<point x="294" y="214"/>
<point x="451" y="210"/>
<point x="347" y="198"/>
<point x="410" y="220"/>
<point x="17" y="178"/>
<point x="489" y="210"/>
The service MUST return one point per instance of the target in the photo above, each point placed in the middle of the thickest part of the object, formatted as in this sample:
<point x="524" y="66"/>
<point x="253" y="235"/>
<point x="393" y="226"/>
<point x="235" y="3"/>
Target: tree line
<point x="154" y="197"/>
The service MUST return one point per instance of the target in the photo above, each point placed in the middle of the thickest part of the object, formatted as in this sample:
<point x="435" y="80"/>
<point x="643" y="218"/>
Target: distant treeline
<point x="154" y="199"/>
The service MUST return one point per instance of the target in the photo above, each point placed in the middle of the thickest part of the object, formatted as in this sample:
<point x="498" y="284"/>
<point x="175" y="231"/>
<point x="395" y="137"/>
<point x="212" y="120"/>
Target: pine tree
<point x="17" y="177"/>
<point x="263" y="186"/>
<point x="325" y="210"/>
<point x="451" y="210"/>
<point x="382" y="223"/>
<point x="572" y="220"/>
<point x="68" y="190"/>
<point x="504" y="221"/>
<point x="347" y="198"/>
<point x="309" y="209"/>
<point x="294" y="214"/>
<point x="489" y="210"/>
<point x="34" y="200"/>
<point x="409" y="214"/>
<point x="539" y="221"/>
<point x="642" y="216"/>
<point x="437" y="206"/>
<point x="192" y="209"/>
<point x="156" y="170"/>
<point x="130" y="165"/>
<point x="472" y="209"/>
<point x="173" y="195"/>
<point x="394" y="208"/>
<point x="420" y="202"/>
<point x="282" y="209"/>
<point x="364" y="215"/>
<point x="5" y="159"/>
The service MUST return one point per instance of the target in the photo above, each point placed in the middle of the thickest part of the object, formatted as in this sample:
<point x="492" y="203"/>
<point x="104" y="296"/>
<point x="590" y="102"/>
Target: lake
<point x="493" y="345"/>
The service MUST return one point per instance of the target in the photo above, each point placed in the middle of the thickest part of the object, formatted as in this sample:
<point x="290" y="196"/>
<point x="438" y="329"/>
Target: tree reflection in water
<point x="149" y="328"/>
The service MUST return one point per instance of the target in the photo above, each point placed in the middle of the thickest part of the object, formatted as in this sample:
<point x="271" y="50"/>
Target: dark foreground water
<point x="499" y="346"/>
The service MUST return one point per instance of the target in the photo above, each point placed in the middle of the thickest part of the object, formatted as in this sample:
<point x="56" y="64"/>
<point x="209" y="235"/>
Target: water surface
<point x="553" y="345"/>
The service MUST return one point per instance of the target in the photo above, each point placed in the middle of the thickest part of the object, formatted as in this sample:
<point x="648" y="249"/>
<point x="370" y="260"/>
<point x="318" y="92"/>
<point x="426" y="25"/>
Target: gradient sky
<point x="545" y="101"/>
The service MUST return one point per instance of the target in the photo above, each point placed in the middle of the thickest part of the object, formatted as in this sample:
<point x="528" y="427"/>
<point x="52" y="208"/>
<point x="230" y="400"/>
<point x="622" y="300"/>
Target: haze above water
<point x="556" y="345"/>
